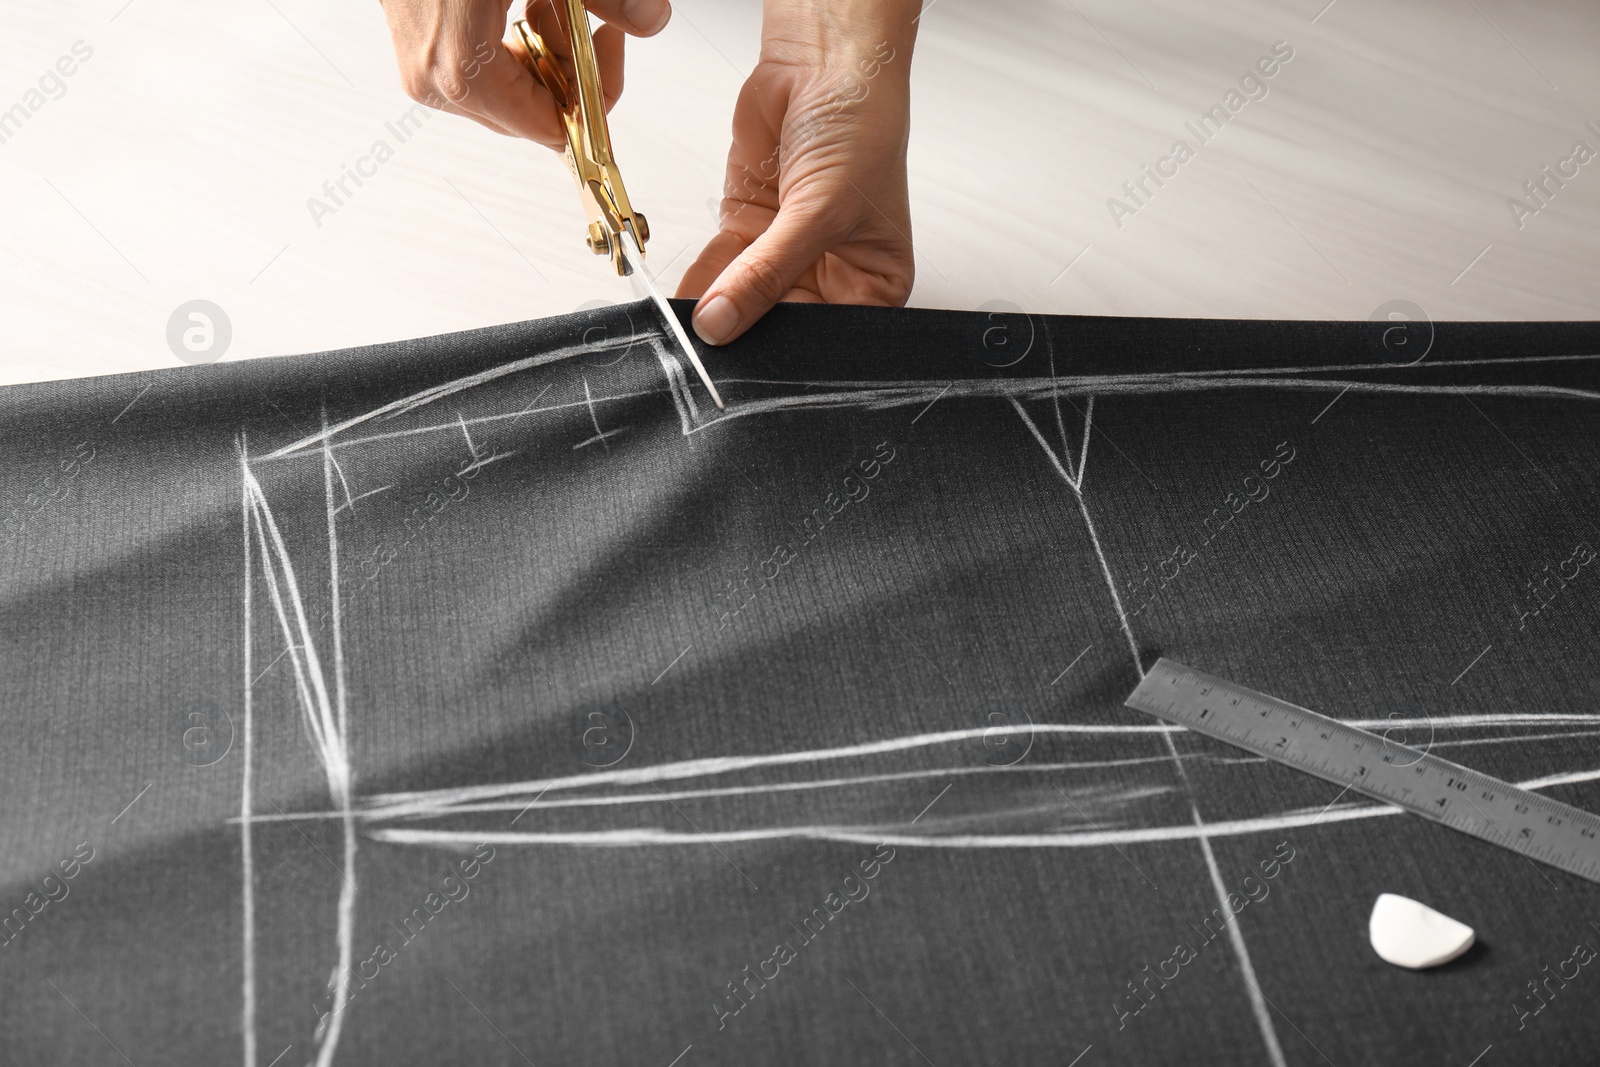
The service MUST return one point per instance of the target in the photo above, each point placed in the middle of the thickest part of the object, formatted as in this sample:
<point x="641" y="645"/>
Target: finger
<point x="761" y="274"/>
<point x="608" y="44"/>
<point x="641" y="18"/>
<point x="550" y="22"/>
<point x="712" y="261"/>
<point x="505" y="93"/>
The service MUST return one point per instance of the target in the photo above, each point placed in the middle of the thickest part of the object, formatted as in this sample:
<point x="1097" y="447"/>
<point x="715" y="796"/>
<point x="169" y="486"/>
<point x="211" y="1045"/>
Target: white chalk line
<point x="309" y="685"/>
<point x="1111" y="583"/>
<point x="678" y="384"/>
<point x="319" y="716"/>
<point x="1241" y="951"/>
<point x="731" y="791"/>
<point x="396" y="805"/>
<point x="1055" y="402"/>
<point x="1083" y="451"/>
<point x="870" y="395"/>
<point x="246" y="843"/>
<point x="870" y="835"/>
<point x="517" y="804"/>
<point x="1227" y="372"/>
<point x="347" y="887"/>
<point x="472" y="449"/>
<point x="886" y="396"/>
<point x="438" y="392"/>
<point x="1065" y="472"/>
<point x="328" y="467"/>
<point x="443" y="426"/>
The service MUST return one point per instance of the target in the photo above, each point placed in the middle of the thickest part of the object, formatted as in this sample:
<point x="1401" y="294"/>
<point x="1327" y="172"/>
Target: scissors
<point x="616" y="230"/>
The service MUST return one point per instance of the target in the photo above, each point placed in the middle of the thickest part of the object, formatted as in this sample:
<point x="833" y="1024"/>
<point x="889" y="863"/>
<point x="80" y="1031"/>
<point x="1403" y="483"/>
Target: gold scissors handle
<point x="589" y="157"/>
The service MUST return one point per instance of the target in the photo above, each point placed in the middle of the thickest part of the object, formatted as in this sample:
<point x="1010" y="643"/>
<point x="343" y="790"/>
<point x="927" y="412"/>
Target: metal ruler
<point x="1422" y="784"/>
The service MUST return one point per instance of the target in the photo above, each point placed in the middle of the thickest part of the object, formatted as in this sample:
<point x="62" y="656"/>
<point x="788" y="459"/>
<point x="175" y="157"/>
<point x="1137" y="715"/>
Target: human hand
<point x="452" y="57"/>
<point x="815" y="206"/>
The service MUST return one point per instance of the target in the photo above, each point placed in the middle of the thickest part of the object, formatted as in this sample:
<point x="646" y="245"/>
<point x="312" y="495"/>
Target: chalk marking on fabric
<point x="1083" y="451"/>
<point x="395" y="804"/>
<point x="308" y="702"/>
<point x="1125" y="857"/>
<point x="599" y="433"/>
<point x="884" y="398"/>
<point x="1279" y="371"/>
<point x="482" y="462"/>
<point x="1241" y="951"/>
<point x="451" y="426"/>
<point x="669" y="367"/>
<point x="455" y="385"/>
<point x="526" y="806"/>
<point x="336" y="468"/>
<point x="247" y="1011"/>
<point x="1111" y="584"/>
<point x="351" y="504"/>
<point x="1065" y="472"/>
<point x="461" y="421"/>
<point x="443" y="810"/>
<point x="347" y="889"/>
<point x="601" y="438"/>
<point x="730" y="791"/>
<point x="335" y="606"/>
<point x="702" y="833"/>
<point x="320" y="718"/>
<point x="427" y="800"/>
<point x="1055" y="399"/>
<point x="885" y="395"/>
<point x="678" y="384"/>
<point x="1564" y="778"/>
<point x="871" y="834"/>
<point x="308" y="666"/>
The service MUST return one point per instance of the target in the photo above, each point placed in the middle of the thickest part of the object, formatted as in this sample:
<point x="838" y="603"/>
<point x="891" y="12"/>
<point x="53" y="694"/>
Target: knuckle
<point x="447" y="83"/>
<point x="417" y="85"/>
<point x="763" y="278"/>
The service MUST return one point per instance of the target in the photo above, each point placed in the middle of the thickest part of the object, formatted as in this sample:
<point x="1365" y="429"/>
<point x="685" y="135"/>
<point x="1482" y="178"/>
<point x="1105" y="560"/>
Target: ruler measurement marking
<point x="1523" y="822"/>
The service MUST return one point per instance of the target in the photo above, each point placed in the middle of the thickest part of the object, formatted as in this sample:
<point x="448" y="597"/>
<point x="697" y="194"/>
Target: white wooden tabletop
<point x="176" y="160"/>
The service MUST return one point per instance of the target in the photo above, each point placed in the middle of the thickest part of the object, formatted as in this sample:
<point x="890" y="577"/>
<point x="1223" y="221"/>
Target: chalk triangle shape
<point x="1408" y="933"/>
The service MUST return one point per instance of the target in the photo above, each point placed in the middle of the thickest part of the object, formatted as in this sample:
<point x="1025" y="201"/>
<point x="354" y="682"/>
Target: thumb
<point x="764" y="272"/>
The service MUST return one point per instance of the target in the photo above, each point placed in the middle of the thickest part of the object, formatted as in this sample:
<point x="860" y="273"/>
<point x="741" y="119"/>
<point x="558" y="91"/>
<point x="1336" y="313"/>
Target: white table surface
<point x="178" y="163"/>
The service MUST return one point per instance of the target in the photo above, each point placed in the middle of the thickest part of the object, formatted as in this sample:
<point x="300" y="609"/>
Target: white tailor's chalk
<point x="1409" y="934"/>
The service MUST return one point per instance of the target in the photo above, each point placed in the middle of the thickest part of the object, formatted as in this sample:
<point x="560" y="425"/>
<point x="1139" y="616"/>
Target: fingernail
<point x="716" y="321"/>
<point x="648" y="15"/>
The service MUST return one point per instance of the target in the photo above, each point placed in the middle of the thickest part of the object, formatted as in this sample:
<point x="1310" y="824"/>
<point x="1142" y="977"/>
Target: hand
<point x="815" y="206"/>
<point x="452" y="57"/>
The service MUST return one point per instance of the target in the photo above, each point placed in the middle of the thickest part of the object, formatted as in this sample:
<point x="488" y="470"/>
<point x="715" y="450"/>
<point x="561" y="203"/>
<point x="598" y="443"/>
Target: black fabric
<point x="555" y="560"/>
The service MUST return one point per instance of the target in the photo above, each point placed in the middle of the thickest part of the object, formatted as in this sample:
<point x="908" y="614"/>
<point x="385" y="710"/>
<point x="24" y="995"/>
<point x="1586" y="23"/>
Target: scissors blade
<point x="645" y="285"/>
